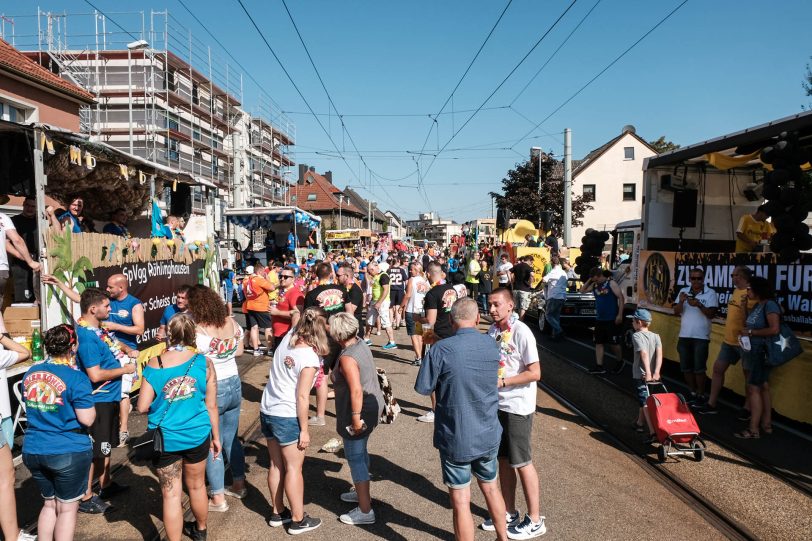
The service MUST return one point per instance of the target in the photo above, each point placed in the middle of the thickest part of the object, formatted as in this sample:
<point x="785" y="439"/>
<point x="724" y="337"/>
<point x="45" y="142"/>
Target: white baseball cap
<point x="249" y="269"/>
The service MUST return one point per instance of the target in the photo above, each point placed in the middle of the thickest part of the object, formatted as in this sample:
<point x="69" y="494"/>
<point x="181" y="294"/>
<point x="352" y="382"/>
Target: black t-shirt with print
<point x="356" y="297"/>
<point x="521" y="277"/>
<point x="397" y="278"/>
<point x="441" y="297"/>
<point x="331" y="297"/>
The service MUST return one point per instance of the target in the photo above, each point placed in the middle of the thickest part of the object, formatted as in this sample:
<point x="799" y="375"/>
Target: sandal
<point x="746" y="434"/>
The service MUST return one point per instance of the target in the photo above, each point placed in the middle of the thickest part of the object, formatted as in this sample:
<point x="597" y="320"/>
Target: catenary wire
<point x="604" y="70"/>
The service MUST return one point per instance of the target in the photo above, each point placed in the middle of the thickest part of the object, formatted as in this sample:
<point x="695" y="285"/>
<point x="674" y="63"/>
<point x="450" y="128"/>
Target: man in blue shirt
<point x="118" y="224"/>
<point x="462" y="371"/>
<point x="180" y="306"/>
<point x="126" y="323"/>
<point x="291" y="241"/>
<point x="105" y="361"/>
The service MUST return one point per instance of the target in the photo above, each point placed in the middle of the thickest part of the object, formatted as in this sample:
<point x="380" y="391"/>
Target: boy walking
<point x="648" y="360"/>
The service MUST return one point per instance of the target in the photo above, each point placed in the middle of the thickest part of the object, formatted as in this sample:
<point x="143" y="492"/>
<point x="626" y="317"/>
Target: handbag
<point x="149" y="445"/>
<point x="783" y="347"/>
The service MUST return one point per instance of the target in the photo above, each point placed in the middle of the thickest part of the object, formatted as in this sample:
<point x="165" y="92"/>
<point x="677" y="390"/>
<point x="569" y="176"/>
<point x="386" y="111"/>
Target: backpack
<point x="249" y="290"/>
<point x="391" y="408"/>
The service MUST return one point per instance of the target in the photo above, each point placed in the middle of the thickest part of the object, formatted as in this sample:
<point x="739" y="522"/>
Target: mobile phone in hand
<point x="351" y="431"/>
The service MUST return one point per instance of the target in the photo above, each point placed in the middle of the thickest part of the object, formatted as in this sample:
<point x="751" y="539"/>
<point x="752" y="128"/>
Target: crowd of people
<point x="315" y="318"/>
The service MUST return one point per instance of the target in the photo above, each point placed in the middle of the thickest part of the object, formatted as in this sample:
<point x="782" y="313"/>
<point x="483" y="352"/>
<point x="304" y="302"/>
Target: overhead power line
<point x="495" y="90"/>
<point x="390" y="115"/>
<point x="601" y="72"/>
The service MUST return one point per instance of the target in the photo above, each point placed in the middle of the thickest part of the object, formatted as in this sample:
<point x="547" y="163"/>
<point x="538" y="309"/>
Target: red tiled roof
<point x="17" y="63"/>
<point x="326" y="195"/>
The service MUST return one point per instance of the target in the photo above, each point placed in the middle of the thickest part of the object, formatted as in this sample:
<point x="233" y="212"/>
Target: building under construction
<point x="164" y="95"/>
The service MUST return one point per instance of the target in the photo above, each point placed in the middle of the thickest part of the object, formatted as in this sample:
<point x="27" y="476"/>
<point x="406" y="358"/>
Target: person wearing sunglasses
<point x="696" y="305"/>
<point x="285" y="314"/>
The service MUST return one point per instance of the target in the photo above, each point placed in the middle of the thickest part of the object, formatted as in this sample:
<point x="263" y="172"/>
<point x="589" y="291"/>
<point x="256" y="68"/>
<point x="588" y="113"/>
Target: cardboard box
<point x="19" y="327"/>
<point x="21" y="312"/>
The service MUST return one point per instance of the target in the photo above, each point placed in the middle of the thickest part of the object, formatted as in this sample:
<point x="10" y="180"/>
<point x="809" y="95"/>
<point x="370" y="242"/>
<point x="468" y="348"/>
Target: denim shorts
<point x="410" y="323"/>
<point x="458" y="474"/>
<point x="63" y="477"/>
<point x="358" y="458"/>
<point x="642" y="392"/>
<point x="729" y="354"/>
<point x="285" y="430"/>
<point x="693" y="355"/>
<point x="756" y="358"/>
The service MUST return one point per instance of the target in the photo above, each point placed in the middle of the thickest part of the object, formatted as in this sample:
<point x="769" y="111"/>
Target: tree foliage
<point x="806" y="84"/>
<point x="661" y="145"/>
<point x="520" y="193"/>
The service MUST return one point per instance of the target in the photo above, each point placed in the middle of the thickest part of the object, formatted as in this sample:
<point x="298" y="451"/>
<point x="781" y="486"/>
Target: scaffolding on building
<point x="176" y="101"/>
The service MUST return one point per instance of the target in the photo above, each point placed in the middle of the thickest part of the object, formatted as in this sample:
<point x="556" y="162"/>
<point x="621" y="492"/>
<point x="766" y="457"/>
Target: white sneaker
<point x="356" y="516"/>
<point x="527" y="529"/>
<point x="257" y="353"/>
<point x="511" y="520"/>
<point x="427" y="418"/>
<point x="316" y="421"/>
<point x="23" y="536"/>
<point x="350" y="497"/>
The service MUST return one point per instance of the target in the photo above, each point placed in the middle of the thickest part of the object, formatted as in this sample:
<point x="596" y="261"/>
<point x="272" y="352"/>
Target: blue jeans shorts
<point x="410" y="322"/>
<point x="693" y="355"/>
<point x="63" y="477"/>
<point x="642" y="392"/>
<point x="729" y="354"/>
<point x="358" y="458"/>
<point x="458" y="474"/>
<point x="285" y="430"/>
<point x="7" y="433"/>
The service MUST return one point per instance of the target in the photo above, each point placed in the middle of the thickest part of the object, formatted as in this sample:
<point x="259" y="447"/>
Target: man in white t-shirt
<point x="696" y="305"/>
<point x="556" y="283"/>
<point x="519" y="370"/>
<point x="503" y="270"/>
<point x="18" y="249"/>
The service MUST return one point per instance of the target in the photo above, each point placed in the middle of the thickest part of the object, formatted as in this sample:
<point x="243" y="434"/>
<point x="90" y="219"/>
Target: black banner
<point x="153" y="283"/>
<point x="792" y="282"/>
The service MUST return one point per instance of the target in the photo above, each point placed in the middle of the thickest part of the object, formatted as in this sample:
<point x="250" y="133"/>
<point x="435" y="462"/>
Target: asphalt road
<point x="590" y="489"/>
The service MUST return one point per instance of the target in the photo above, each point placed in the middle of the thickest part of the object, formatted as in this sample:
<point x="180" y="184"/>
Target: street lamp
<point x="134" y="46"/>
<point x="340" y="201"/>
<point x="535" y="152"/>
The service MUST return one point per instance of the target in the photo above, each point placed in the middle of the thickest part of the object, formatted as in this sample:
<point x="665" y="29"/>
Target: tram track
<point x="724" y="523"/>
<point x="761" y="465"/>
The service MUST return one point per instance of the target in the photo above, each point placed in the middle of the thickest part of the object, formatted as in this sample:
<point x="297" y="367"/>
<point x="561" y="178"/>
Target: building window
<point x="170" y="81"/>
<point x="629" y="192"/>
<point x="195" y="94"/>
<point x="589" y="192"/>
<point x="9" y="113"/>
<point x="215" y="166"/>
<point x="196" y="134"/>
<point x="628" y="153"/>
<point x="172" y="122"/>
<point x="311" y="197"/>
<point x="172" y="146"/>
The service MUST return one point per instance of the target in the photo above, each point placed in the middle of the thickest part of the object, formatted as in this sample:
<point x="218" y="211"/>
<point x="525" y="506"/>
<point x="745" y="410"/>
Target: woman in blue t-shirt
<point x="762" y="325"/>
<point x="57" y="448"/>
<point x="179" y="391"/>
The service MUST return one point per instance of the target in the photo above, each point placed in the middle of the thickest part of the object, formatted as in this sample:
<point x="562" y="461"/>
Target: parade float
<point x="55" y="166"/>
<point x="694" y="198"/>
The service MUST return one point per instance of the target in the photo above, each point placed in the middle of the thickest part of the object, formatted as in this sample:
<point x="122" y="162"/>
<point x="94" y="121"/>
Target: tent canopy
<point x="264" y="218"/>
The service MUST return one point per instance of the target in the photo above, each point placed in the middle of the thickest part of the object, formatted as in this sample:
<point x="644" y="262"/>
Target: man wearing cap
<point x="648" y="360"/>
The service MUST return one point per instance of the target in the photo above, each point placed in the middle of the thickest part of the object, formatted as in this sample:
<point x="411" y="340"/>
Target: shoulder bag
<point x="150" y="444"/>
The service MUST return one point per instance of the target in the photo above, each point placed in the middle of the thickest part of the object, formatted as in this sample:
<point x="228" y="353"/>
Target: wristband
<point x="356" y="413"/>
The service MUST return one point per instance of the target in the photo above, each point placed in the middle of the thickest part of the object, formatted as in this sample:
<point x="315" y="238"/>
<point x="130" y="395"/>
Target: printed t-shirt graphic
<point x="180" y="388"/>
<point x="441" y="297"/>
<point x="331" y="297"/>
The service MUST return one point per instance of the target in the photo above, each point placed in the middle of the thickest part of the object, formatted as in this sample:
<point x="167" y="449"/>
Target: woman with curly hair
<point x="219" y="338"/>
<point x="284" y="417"/>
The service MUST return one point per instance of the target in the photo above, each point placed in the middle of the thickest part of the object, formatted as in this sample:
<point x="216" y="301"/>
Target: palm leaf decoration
<point x="73" y="273"/>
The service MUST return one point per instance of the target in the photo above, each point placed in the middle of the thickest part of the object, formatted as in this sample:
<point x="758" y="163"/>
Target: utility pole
<point x="536" y="152"/>
<point x="369" y="214"/>
<point x="567" y="233"/>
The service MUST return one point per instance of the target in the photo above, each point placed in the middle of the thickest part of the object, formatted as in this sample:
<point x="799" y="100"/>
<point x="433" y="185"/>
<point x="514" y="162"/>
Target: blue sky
<point x="712" y="68"/>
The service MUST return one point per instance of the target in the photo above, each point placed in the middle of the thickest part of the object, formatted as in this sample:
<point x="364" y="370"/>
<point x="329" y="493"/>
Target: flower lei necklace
<point x="503" y="338"/>
<point x="438" y="282"/>
<point x="69" y="361"/>
<point x="112" y="344"/>
<point x="181" y="347"/>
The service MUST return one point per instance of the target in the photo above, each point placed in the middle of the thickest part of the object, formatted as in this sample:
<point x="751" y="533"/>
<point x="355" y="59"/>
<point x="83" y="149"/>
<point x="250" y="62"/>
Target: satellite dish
<point x="628" y="128"/>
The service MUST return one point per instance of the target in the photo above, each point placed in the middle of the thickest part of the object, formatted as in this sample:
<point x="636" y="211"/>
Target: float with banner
<point x="279" y="221"/>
